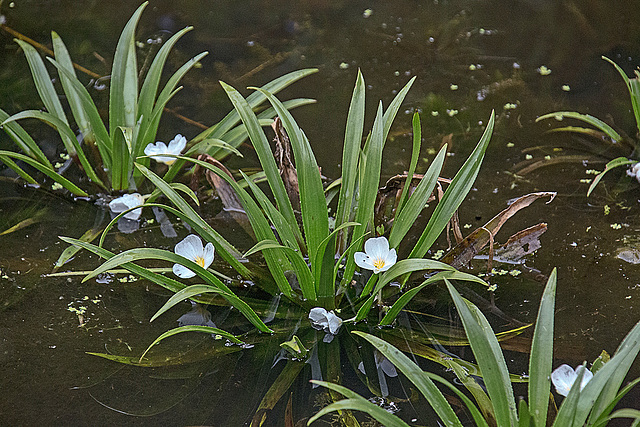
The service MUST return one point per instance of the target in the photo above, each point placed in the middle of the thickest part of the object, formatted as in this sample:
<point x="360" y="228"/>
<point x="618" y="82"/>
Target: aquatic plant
<point x="591" y="395"/>
<point x="603" y="130"/>
<point x="304" y="243"/>
<point x="311" y="259"/>
<point x="106" y="152"/>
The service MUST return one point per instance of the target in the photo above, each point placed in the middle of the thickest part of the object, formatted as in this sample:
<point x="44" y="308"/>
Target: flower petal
<point x="207" y="255"/>
<point x="586" y="377"/>
<point x="190" y="247"/>
<point x="363" y="261"/>
<point x="563" y="378"/>
<point x="333" y="323"/>
<point x="177" y="144"/>
<point x="182" y="271"/>
<point x="389" y="261"/>
<point x="377" y="247"/>
<point x="318" y="318"/>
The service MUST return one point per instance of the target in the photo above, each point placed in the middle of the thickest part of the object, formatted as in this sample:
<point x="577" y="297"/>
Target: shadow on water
<point x="469" y="58"/>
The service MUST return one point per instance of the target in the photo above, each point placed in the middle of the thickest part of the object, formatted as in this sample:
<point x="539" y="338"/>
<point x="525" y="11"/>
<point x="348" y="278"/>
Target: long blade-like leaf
<point x="417" y="377"/>
<point x="350" y="156"/>
<point x="541" y="358"/>
<point x="454" y="195"/>
<point x="356" y="402"/>
<point x="24" y="140"/>
<point x="407" y="216"/>
<point x="315" y="217"/>
<point x="47" y="171"/>
<point x="224" y="248"/>
<point x="263" y="150"/>
<point x="123" y="93"/>
<point x="489" y="356"/>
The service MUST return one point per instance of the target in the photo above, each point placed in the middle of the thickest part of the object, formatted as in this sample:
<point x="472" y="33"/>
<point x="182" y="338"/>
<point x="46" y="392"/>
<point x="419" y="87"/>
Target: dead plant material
<point x="464" y="252"/>
<point x="283" y="156"/>
<point x="389" y="196"/>
<point x="226" y="193"/>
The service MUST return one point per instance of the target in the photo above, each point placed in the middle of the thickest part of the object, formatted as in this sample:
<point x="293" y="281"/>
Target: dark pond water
<point x="469" y="57"/>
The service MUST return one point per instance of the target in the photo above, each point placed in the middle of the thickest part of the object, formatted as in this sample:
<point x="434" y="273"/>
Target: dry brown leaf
<point x="478" y="239"/>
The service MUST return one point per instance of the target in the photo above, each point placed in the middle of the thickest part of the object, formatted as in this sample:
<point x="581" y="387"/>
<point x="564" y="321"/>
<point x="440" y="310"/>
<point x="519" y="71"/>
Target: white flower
<point x="326" y="321"/>
<point x="159" y="149"/>
<point x="376" y="255"/>
<point x="192" y="249"/>
<point x="564" y="376"/>
<point x="125" y="202"/>
<point x="634" y="171"/>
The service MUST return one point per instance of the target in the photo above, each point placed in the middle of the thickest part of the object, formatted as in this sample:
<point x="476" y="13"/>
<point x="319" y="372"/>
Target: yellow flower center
<point x="378" y="263"/>
<point x="200" y="261"/>
<point x="170" y="162"/>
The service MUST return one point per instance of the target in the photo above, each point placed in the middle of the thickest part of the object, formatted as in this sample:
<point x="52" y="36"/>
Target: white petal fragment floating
<point x="564" y="376"/>
<point x="192" y="249"/>
<point x="125" y="202"/>
<point x="376" y="256"/>
<point x="634" y="171"/>
<point x="325" y="321"/>
<point x="159" y="150"/>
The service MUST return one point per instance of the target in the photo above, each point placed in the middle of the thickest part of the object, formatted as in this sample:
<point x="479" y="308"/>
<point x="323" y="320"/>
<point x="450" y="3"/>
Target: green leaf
<point x="634" y="90"/>
<point x="288" y="233"/>
<point x="77" y="109"/>
<point x="263" y="150"/>
<point x="160" y="254"/>
<point x="454" y="195"/>
<point x="220" y="129"/>
<point x="406" y="217"/>
<point x="303" y="274"/>
<point x="76" y="89"/>
<point x="23" y="140"/>
<point x="369" y="179"/>
<point x="150" y="128"/>
<point x="415" y="154"/>
<point x="49" y="172"/>
<point x="617" y="162"/>
<point x="47" y="92"/>
<point x="152" y="80"/>
<point x="473" y="410"/>
<point x="413" y="372"/>
<point x="315" y="217"/>
<point x="407" y="296"/>
<point x="604" y="385"/>
<point x="123" y="94"/>
<point x="224" y="248"/>
<point x="88" y="236"/>
<point x="587" y="118"/>
<point x="400" y="268"/>
<point x="66" y="134"/>
<point x="356" y="402"/>
<point x="261" y="228"/>
<point x="192" y="328"/>
<point x="541" y="358"/>
<point x="488" y="354"/>
<point x="350" y="156"/>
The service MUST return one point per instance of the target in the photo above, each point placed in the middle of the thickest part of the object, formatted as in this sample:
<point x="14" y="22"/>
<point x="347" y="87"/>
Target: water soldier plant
<point x="603" y="131"/>
<point x="106" y="152"/>
<point x="311" y="256"/>
<point x="591" y="394"/>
